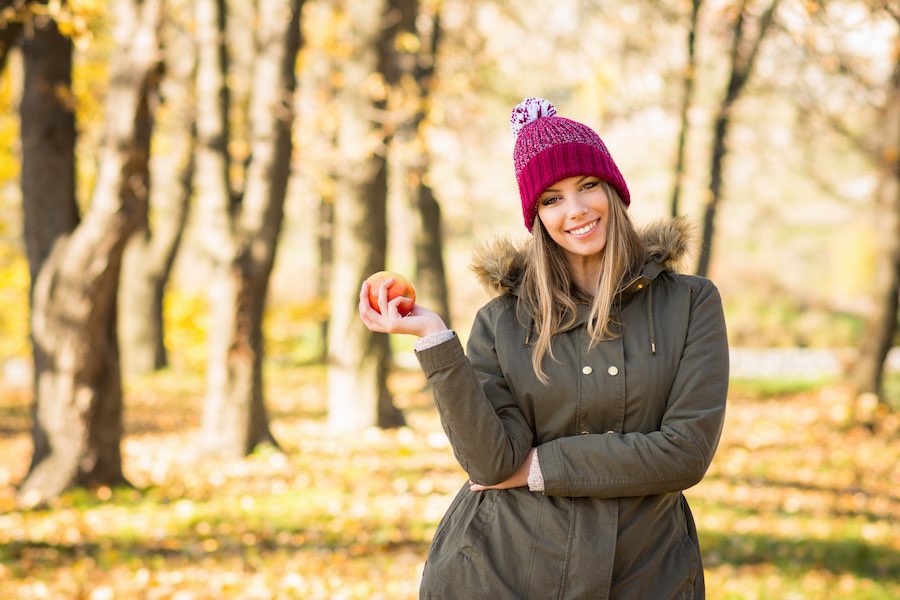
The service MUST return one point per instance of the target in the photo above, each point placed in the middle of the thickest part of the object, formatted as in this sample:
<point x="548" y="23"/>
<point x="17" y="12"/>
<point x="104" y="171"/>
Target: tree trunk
<point x="743" y="57"/>
<point x="431" y="276"/>
<point x="78" y="394"/>
<point x="234" y="416"/>
<point x="325" y="235"/>
<point x="881" y="328"/>
<point x="151" y="252"/>
<point x="417" y="61"/>
<point x="10" y="27"/>
<point x="50" y="210"/>
<point x="688" y="80"/>
<point x="358" y="360"/>
<point x="48" y="135"/>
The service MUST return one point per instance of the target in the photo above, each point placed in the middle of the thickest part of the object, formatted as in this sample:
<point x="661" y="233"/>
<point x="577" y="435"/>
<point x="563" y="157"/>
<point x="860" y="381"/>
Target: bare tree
<point x="324" y="83"/>
<point x="871" y="128"/>
<point x="241" y="229"/>
<point x="689" y="78"/>
<point x="745" y="45"/>
<point x="78" y="393"/>
<point x="359" y="360"/>
<point x="150" y="253"/>
<point x="431" y="276"/>
<point x="881" y="327"/>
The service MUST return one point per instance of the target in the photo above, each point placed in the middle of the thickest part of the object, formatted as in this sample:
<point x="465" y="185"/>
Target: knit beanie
<point x="550" y="148"/>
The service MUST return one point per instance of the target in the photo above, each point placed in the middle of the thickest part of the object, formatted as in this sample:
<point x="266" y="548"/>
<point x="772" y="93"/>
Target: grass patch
<point x="762" y="388"/>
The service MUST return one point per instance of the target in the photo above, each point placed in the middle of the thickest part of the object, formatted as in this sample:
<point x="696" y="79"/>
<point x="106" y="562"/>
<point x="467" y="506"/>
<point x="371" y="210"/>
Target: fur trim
<point x="498" y="264"/>
<point x="668" y="241"/>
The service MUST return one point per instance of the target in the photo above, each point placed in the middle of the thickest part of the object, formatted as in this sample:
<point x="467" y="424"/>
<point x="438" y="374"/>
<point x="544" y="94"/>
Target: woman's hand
<point x="420" y="321"/>
<point x="518" y="479"/>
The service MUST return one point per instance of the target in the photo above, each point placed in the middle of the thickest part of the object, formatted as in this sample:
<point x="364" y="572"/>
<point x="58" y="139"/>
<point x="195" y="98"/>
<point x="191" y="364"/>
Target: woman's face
<point x="575" y="212"/>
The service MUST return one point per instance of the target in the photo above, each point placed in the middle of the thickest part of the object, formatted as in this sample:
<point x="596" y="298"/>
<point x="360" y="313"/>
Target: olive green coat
<point x="620" y="431"/>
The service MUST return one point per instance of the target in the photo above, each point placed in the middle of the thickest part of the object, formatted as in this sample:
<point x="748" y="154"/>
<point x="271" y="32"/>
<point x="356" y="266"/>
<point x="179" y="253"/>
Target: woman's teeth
<point x="583" y="230"/>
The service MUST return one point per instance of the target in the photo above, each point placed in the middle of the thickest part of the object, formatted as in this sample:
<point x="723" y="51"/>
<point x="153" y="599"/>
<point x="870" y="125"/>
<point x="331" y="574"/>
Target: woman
<point x="591" y="393"/>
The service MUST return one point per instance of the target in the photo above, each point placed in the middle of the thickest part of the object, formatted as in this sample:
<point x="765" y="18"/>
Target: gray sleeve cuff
<point x="535" y="476"/>
<point x="433" y="339"/>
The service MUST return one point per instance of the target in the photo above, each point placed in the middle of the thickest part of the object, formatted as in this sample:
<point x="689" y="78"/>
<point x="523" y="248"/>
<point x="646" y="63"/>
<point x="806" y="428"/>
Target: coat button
<point x="613" y="371"/>
<point x="587" y="370"/>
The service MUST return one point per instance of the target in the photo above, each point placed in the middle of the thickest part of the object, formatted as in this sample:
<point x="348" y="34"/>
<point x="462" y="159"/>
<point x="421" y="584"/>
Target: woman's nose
<point x="576" y="207"/>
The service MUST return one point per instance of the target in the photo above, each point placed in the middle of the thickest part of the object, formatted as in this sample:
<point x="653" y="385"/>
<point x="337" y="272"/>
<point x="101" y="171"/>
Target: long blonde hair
<point x="548" y="296"/>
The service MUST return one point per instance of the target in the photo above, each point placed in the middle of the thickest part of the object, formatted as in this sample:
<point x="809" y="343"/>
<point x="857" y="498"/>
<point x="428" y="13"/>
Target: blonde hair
<point x="549" y="297"/>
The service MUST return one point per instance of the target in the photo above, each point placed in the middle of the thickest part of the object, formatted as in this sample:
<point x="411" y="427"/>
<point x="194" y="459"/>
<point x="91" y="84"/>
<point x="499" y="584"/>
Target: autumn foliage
<point x="797" y="503"/>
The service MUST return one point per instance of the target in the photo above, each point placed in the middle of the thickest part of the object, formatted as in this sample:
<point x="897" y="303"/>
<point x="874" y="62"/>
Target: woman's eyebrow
<point x="576" y="183"/>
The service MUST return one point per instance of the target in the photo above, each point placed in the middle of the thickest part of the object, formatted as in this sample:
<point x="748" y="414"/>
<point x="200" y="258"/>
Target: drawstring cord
<point x="650" y="319"/>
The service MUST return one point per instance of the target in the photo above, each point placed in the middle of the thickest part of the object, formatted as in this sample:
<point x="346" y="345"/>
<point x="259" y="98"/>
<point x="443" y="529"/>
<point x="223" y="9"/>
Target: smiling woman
<point x="591" y="393"/>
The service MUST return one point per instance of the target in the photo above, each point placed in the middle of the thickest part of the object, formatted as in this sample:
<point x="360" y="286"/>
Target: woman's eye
<point x="549" y="201"/>
<point x="590" y="185"/>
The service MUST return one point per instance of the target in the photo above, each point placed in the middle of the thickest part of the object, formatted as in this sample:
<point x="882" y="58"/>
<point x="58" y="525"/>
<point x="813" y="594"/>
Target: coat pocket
<point x="458" y="539"/>
<point x="489" y="549"/>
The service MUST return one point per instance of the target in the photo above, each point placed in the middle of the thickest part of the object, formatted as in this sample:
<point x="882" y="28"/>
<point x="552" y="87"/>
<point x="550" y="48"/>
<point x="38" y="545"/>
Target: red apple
<point x="400" y="287"/>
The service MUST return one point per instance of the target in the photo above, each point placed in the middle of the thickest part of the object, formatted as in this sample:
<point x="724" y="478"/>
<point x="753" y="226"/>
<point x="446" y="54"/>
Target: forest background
<point x="192" y="193"/>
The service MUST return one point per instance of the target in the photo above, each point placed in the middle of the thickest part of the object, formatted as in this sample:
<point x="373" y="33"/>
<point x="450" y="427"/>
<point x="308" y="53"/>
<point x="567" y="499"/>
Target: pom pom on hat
<point x="529" y="110"/>
<point x="550" y="148"/>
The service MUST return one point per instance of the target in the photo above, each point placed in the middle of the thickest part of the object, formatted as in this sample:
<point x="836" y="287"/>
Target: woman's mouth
<point x="584" y="229"/>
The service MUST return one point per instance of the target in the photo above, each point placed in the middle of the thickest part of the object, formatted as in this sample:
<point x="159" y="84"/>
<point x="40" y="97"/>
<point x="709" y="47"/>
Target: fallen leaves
<point x="797" y="504"/>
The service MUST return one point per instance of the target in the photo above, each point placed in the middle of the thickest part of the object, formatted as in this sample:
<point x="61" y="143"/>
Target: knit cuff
<point x="433" y="339"/>
<point x="535" y="476"/>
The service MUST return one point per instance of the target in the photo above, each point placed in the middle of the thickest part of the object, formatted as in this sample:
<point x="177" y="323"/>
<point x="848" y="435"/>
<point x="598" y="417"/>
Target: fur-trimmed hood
<point x="499" y="263"/>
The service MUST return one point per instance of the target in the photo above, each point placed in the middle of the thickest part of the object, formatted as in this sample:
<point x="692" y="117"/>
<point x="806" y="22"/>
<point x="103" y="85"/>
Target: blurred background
<point x="191" y="193"/>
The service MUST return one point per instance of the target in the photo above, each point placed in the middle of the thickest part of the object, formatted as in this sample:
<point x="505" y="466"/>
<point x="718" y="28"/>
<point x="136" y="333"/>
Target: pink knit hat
<point x="550" y="148"/>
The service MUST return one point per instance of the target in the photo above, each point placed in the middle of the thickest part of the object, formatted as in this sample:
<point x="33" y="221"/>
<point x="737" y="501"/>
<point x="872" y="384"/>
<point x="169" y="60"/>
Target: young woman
<point x="590" y="395"/>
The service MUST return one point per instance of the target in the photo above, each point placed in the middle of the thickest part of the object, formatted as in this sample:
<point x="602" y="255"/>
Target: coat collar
<point x="500" y="263"/>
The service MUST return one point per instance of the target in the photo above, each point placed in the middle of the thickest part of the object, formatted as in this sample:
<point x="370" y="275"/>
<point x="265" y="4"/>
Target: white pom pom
<point x="528" y="110"/>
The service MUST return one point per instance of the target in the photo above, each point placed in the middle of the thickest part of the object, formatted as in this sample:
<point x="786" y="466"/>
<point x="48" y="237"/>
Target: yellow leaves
<point x="14" y="318"/>
<point x="73" y="18"/>
<point x="406" y="42"/>
<point x="795" y="500"/>
<point x="376" y="87"/>
<point x="9" y="130"/>
<point x="796" y="505"/>
<point x="210" y="545"/>
<point x="186" y="327"/>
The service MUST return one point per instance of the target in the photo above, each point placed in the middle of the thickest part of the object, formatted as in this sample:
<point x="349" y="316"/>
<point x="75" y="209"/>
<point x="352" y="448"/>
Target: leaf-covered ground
<point x="798" y="504"/>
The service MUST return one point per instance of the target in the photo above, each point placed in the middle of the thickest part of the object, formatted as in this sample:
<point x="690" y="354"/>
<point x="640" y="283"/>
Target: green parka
<point x="621" y="429"/>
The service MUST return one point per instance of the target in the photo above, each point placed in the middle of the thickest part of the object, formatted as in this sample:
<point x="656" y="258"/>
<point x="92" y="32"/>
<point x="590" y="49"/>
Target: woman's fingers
<point x="382" y="294"/>
<point x="368" y="315"/>
<point x="387" y="318"/>
<point x="364" y="292"/>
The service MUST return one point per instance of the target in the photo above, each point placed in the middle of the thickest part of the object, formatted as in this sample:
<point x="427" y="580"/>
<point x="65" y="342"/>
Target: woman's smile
<point x="585" y="229"/>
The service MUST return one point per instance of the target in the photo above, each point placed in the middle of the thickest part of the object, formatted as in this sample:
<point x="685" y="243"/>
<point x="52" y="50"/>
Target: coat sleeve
<point x="677" y="456"/>
<point x="484" y="423"/>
